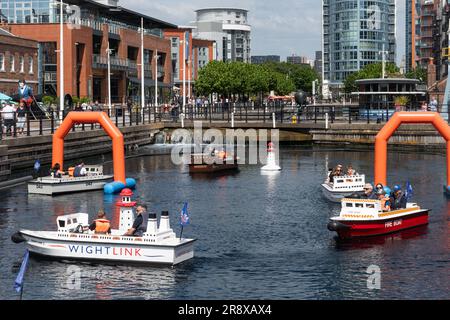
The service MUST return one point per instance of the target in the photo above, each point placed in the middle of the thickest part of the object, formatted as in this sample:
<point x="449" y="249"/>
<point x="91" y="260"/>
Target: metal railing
<point x="238" y="113"/>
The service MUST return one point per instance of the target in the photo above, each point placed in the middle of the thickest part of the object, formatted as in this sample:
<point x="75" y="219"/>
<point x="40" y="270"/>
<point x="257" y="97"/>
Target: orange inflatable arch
<point x="107" y="125"/>
<point x="399" y="118"/>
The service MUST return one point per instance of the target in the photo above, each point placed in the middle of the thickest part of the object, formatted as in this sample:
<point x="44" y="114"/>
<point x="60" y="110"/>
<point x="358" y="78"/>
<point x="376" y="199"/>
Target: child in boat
<point x="56" y="172"/>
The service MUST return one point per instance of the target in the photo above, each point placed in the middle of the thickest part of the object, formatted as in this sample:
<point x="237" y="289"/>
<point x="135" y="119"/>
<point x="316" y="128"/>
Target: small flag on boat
<point x="184" y="216"/>
<point x="409" y="191"/>
<point x="18" y="284"/>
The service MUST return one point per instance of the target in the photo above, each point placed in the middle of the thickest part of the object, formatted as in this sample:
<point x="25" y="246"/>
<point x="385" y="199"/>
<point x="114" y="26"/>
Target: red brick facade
<point x="86" y="72"/>
<point x="24" y="66"/>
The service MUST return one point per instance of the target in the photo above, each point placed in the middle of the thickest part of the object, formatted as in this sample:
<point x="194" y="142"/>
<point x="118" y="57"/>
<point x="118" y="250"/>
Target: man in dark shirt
<point x="138" y="228"/>
<point x="398" y="199"/>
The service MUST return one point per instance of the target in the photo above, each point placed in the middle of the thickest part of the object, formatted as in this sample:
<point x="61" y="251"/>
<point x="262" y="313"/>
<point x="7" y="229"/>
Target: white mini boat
<point x="156" y="246"/>
<point x="342" y="187"/>
<point x="94" y="180"/>
<point x="271" y="161"/>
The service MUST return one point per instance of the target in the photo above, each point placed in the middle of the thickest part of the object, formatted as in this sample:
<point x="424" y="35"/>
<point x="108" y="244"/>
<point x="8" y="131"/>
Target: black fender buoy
<point x="337" y="226"/>
<point x="17" y="238"/>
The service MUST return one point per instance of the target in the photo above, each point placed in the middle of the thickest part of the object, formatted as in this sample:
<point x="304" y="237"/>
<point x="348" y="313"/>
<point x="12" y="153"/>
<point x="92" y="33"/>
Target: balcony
<point x="101" y="62"/>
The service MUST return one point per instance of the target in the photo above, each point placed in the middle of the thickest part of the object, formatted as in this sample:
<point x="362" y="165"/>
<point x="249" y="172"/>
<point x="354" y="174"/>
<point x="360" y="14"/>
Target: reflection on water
<point x="259" y="236"/>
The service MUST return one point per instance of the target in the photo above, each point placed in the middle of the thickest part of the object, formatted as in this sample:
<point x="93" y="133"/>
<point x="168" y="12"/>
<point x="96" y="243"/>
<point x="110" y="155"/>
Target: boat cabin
<point x="70" y="223"/>
<point x="348" y="183"/>
<point x="354" y="209"/>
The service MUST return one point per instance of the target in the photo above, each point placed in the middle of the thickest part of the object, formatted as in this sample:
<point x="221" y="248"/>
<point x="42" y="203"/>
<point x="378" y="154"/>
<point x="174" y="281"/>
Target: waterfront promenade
<point x="311" y="117"/>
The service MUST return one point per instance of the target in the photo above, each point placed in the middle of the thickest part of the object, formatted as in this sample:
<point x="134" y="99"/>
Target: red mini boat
<point x="365" y="218"/>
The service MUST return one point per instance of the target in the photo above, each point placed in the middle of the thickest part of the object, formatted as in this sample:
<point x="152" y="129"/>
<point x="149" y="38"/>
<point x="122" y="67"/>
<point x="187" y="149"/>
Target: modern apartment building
<point x="427" y="29"/>
<point x="229" y="28"/>
<point x="89" y="28"/>
<point x="355" y="33"/>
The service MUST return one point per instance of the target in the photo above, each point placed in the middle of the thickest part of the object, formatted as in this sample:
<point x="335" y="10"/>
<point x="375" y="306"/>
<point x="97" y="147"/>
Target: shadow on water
<point x="384" y="240"/>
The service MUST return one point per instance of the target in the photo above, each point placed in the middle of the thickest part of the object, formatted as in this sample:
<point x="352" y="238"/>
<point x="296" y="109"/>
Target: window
<point x="22" y="64"/>
<point x="30" y="65"/>
<point x="349" y="205"/>
<point x="11" y="63"/>
<point x="2" y="62"/>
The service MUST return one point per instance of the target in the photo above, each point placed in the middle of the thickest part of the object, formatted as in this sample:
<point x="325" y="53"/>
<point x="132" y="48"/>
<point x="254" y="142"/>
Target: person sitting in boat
<point x="385" y="201"/>
<point x="80" y="170"/>
<point x="138" y="228"/>
<point x="398" y="199"/>
<point x="337" y="172"/>
<point x="101" y="225"/>
<point x="368" y="192"/>
<point x="379" y="187"/>
<point x="350" y="171"/>
<point x="56" y="172"/>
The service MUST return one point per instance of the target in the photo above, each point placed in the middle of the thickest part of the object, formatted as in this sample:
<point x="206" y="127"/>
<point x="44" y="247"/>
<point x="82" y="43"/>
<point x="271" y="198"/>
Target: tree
<point x="371" y="71"/>
<point x="301" y="75"/>
<point x="420" y="74"/>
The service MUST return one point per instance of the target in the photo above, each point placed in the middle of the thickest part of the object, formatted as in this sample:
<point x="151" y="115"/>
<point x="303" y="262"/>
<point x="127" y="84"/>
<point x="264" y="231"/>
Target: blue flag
<point x="18" y="285"/>
<point x="184" y="216"/>
<point x="409" y="191"/>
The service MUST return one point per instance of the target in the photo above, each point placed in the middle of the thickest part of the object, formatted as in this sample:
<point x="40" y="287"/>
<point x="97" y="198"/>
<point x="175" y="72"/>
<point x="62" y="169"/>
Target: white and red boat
<point x="365" y="218"/>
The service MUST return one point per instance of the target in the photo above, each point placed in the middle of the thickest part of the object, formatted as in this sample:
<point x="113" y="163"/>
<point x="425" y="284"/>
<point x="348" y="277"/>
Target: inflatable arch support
<point x="109" y="127"/>
<point x="399" y="118"/>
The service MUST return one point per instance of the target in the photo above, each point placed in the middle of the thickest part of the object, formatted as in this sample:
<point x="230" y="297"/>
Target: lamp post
<point x="184" y="74"/>
<point x="142" y="68"/>
<point x="108" y="53"/>
<point x="383" y="55"/>
<point x="156" y="78"/>
<point x="61" y="61"/>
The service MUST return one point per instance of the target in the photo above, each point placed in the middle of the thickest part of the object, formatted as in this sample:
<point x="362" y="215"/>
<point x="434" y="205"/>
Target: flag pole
<point x="181" y="233"/>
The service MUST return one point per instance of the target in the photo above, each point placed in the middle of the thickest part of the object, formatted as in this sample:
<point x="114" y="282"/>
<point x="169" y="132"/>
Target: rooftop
<point x="122" y="14"/>
<point x="222" y="9"/>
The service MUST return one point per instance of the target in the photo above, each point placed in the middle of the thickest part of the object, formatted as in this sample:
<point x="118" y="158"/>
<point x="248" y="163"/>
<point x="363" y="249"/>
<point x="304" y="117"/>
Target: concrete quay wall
<point x="22" y="152"/>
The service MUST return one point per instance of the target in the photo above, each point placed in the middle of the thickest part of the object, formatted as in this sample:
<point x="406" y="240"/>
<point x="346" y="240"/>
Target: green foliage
<point x="241" y="78"/>
<point x="85" y="100"/>
<point x="371" y="71"/>
<point x="420" y="74"/>
<point x="401" y="101"/>
<point x="75" y="100"/>
<point x="301" y="75"/>
<point x="48" y="100"/>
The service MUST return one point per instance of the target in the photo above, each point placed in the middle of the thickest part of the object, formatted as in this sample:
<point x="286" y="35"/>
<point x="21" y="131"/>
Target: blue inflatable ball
<point x="131" y="183"/>
<point x="387" y="190"/>
<point x="113" y="187"/>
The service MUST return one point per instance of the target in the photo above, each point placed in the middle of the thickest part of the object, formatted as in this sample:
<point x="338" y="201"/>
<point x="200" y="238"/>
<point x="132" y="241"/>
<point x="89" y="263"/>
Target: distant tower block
<point x="126" y="210"/>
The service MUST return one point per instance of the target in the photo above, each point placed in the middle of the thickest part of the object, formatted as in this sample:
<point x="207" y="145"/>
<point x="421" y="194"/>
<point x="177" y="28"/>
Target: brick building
<point x="198" y="54"/>
<point x="85" y="49"/>
<point x="18" y="60"/>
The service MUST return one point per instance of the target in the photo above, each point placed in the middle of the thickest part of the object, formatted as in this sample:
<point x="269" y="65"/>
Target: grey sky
<point x="279" y="27"/>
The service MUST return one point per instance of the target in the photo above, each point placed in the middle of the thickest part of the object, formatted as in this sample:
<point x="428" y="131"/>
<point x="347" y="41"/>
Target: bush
<point x="48" y="100"/>
<point x="85" y="100"/>
<point x="401" y="101"/>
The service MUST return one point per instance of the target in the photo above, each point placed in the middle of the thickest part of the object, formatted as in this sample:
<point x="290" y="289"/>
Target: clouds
<point x="279" y="27"/>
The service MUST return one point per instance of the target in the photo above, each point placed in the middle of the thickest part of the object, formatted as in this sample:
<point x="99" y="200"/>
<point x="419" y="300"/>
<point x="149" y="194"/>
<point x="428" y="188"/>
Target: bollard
<point x="326" y="121"/>
<point x="232" y="120"/>
<point x="182" y="120"/>
<point x="274" y="120"/>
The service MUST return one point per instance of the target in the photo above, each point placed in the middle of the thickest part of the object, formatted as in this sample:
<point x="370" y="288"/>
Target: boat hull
<point x="210" y="168"/>
<point x="347" y="229"/>
<point x="335" y="196"/>
<point x="111" y="252"/>
<point x="63" y="186"/>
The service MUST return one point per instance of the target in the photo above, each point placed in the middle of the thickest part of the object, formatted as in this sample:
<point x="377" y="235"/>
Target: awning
<point x="149" y="82"/>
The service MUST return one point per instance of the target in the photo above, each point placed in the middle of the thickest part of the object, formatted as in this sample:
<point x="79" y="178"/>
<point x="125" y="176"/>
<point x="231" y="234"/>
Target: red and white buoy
<point x="271" y="160"/>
